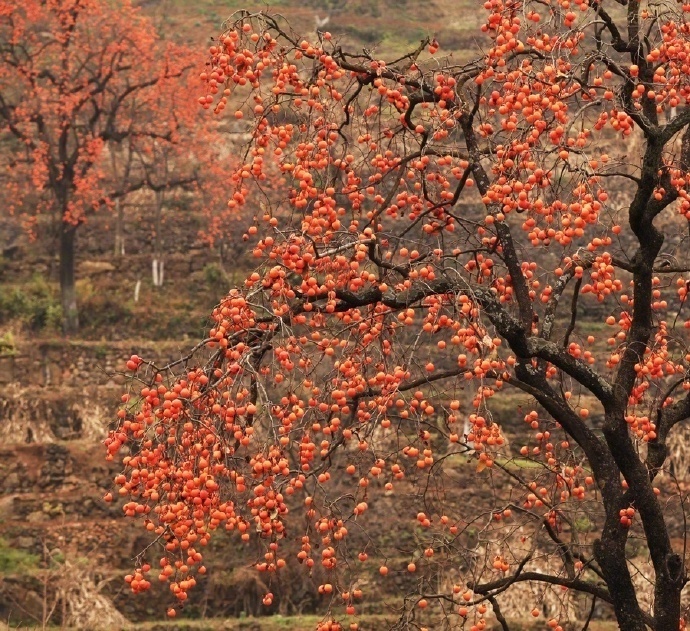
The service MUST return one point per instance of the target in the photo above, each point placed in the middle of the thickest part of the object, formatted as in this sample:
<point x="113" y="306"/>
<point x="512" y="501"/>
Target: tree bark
<point x="119" y="245"/>
<point x="68" y="293"/>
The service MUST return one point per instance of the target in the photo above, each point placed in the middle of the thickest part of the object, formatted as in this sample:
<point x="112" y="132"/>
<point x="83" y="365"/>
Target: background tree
<point x="441" y="232"/>
<point x="69" y="72"/>
<point x="182" y="162"/>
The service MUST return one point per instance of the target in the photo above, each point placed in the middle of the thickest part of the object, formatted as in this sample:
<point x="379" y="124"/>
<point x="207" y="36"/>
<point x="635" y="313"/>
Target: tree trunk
<point x="610" y="555"/>
<point x="123" y="179"/>
<point x="157" y="272"/>
<point x="157" y="262"/>
<point x="119" y="246"/>
<point x="68" y="293"/>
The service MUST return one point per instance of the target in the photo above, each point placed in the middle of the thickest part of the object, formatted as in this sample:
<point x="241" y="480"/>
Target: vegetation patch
<point x="16" y="561"/>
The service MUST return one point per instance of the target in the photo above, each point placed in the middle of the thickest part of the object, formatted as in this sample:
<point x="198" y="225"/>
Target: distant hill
<point x="389" y="27"/>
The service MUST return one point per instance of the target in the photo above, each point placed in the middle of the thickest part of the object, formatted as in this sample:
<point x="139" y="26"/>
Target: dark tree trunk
<point x="610" y="554"/>
<point x="68" y="293"/>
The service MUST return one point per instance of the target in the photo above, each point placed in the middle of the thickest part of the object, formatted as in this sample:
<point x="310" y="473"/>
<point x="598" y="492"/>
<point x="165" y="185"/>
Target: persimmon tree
<point x="447" y="231"/>
<point x="70" y="72"/>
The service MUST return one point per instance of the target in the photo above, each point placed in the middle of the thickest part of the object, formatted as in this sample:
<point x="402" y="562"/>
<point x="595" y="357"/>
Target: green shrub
<point x="14" y="561"/>
<point x="213" y="275"/>
<point x="35" y="305"/>
<point x="8" y="345"/>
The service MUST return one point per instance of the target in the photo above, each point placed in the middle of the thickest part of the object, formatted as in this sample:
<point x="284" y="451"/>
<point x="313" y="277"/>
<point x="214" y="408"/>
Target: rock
<point x="7" y="372"/>
<point x="11" y="482"/>
<point x="26" y="543"/>
<point x="91" y="268"/>
<point x="55" y="467"/>
<point x="36" y="517"/>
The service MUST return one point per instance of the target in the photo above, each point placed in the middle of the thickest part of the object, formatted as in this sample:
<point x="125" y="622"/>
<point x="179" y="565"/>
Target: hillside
<point x="388" y="27"/>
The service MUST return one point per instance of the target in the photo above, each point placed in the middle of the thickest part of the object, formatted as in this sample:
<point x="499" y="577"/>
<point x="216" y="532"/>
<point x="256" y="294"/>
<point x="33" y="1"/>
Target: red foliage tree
<point x="447" y="231"/>
<point x="73" y="75"/>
